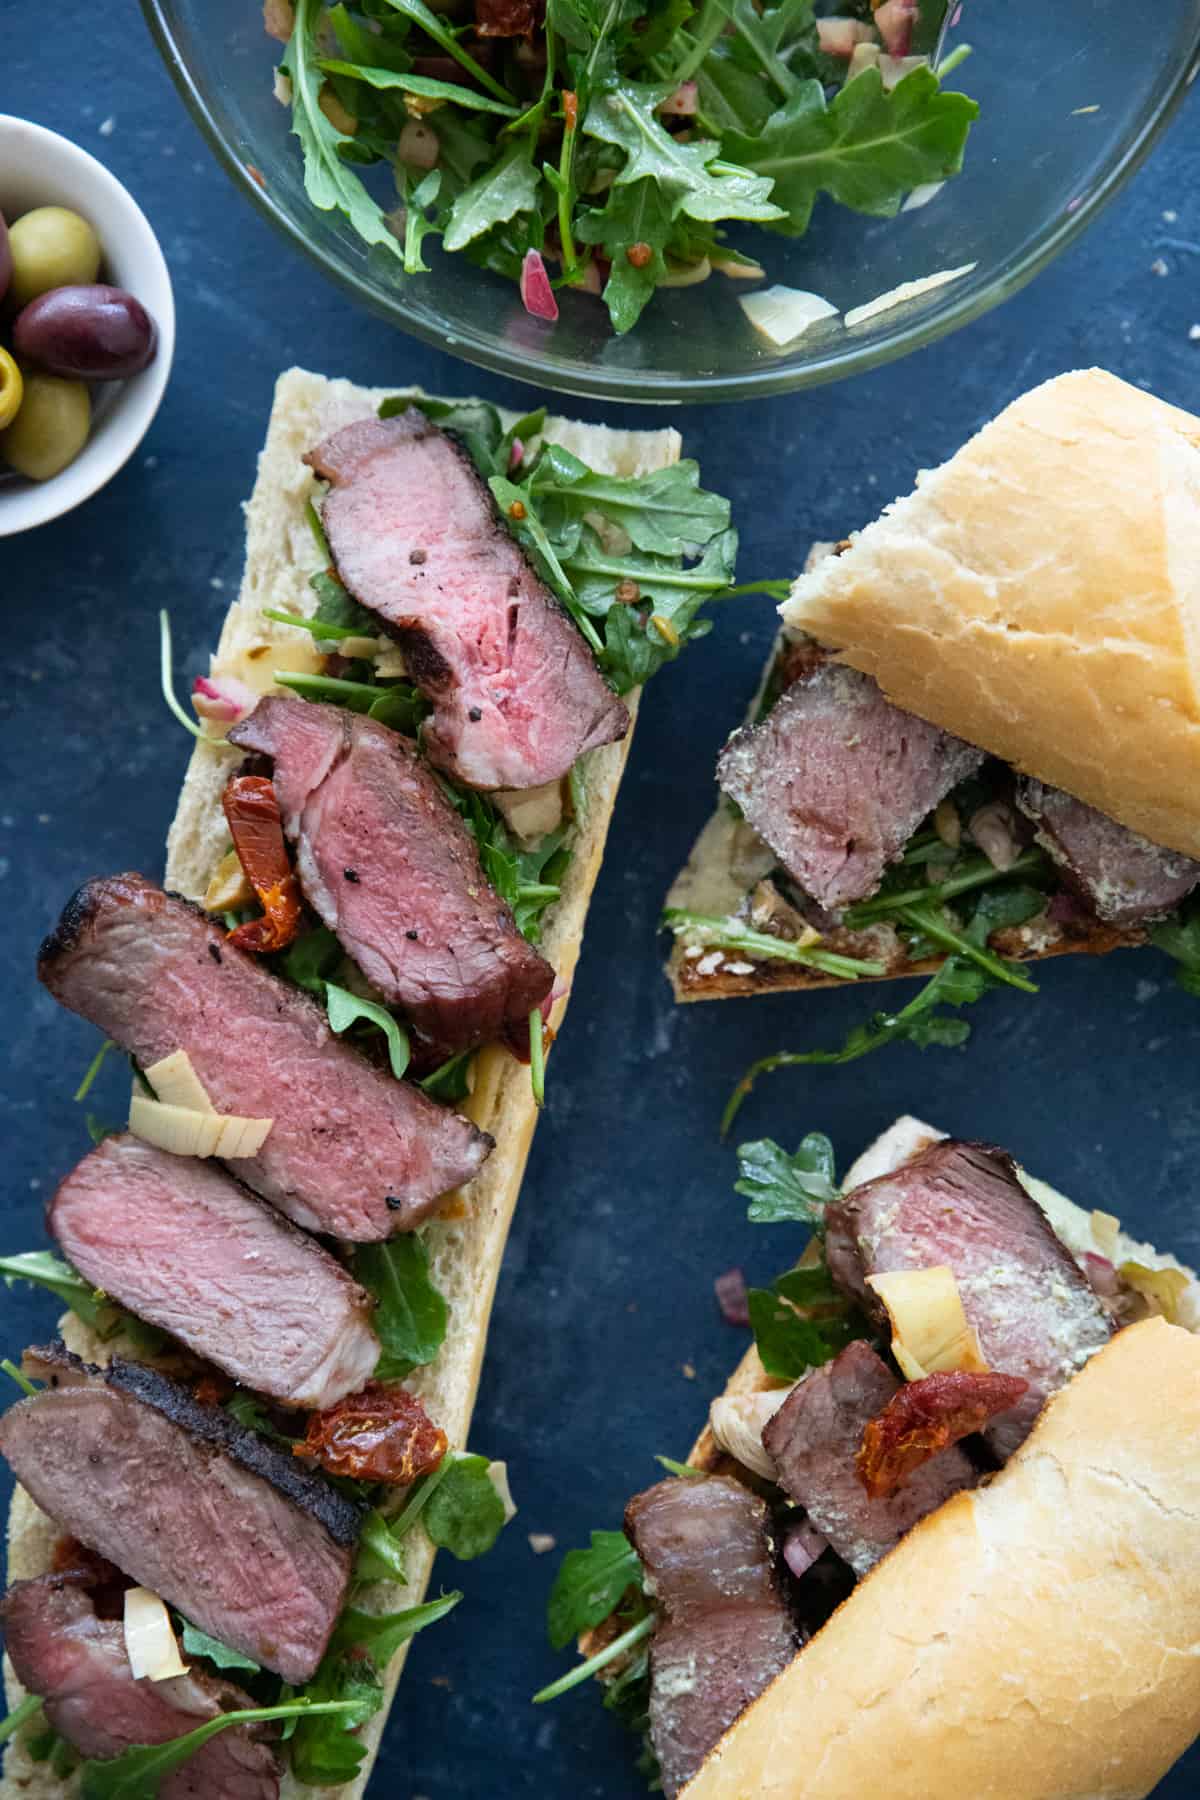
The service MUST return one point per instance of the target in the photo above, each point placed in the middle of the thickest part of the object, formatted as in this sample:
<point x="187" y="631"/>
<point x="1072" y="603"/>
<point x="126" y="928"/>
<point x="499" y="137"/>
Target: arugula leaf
<point x="424" y="85"/>
<point x="28" y="1708"/>
<point x="398" y="699"/>
<point x="517" y="507"/>
<point x="732" y="934"/>
<point x="198" y="1643"/>
<point x="665" y="511"/>
<point x="789" y="1343"/>
<point x="475" y="423"/>
<point x="443" y="34"/>
<point x="619" y="1647"/>
<point x="324" y="1752"/>
<point x="41" y="1268"/>
<point x="138" y="1772"/>
<point x="969" y="874"/>
<point x="692" y="176"/>
<point x="590" y="1584"/>
<point x="417" y="225"/>
<point x="380" y="1554"/>
<point x="732" y="97"/>
<point x="465" y="1514"/>
<point x="410" y="1316"/>
<point x="508" y="187"/>
<point x="345" y="1009"/>
<point x="956" y="983"/>
<point x="93" y="1069"/>
<point x="684" y="1471"/>
<point x="633" y="229"/>
<point x="867" y="148"/>
<point x="451" y="1080"/>
<point x="328" y="182"/>
<point x="780" y="1188"/>
<point x="1179" y="937"/>
<point x="309" y="957"/>
<point x="771" y="41"/>
<point x="931" y="923"/>
<point x="381" y="1634"/>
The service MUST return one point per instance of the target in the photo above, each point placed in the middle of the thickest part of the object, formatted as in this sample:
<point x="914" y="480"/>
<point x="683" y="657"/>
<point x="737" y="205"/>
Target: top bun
<point x="1039" y="596"/>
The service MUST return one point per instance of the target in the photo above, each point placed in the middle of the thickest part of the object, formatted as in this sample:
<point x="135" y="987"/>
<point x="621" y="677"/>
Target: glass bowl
<point x="1072" y="96"/>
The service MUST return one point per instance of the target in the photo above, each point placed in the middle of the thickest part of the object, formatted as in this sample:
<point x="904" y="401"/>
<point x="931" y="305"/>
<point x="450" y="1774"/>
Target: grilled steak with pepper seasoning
<point x="814" y="1439"/>
<point x="962" y="1206"/>
<point x="386" y="862"/>
<point x="236" y="1534"/>
<point x="351" y="1151"/>
<point x="1124" y="878"/>
<point x="180" y="1243"/>
<point x="415" y="535"/>
<point x="78" y="1664"/>
<point x="836" y="780"/>
<point x="724" y="1631"/>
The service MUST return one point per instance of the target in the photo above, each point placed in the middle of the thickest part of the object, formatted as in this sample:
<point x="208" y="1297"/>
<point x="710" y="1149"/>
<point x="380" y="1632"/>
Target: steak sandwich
<point x="941" y="1534"/>
<point x="975" y="743"/>
<point x="237" y="1464"/>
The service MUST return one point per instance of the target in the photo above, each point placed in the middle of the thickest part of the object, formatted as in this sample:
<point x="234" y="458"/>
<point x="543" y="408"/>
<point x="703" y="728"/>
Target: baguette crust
<point x="466" y="1243"/>
<point x="988" y="1689"/>
<point x="1039" y="596"/>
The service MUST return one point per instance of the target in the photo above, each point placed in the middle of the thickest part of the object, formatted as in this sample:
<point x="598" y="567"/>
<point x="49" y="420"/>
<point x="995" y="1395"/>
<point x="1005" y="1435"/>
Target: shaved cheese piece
<point x="930" y="1333"/>
<point x="1163" y="1288"/>
<point x="907" y="290"/>
<point x="531" y="812"/>
<point x="185" y="1132"/>
<point x="738" y="1421"/>
<point x="1105" y="1230"/>
<point x="366" y="647"/>
<point x="150" y="1642"/>
<point x="782" y="314"/>
<point x="390" y="663"/>
<point x="497" y="1474"/>
<point x="922" y="194"/>
<point x="228" y="891"/>
<point x="176" y="1082"/>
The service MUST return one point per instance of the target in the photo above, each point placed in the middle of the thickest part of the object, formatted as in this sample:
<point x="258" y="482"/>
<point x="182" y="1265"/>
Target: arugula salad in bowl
<point x="615" y="146"/>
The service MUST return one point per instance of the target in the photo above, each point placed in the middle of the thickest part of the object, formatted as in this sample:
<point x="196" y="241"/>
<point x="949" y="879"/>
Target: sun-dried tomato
<point x="508" y="18"/>
<point x="212" y="1390"/>
<point x="252" y="813"/>
<point x="925" y="1417"/>
<point x="382" y="1433"/>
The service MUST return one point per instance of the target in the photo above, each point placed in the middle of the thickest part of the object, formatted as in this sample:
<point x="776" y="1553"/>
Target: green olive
<point x="51" y="248"/>
<point x="51" y="428"/>
<point x="12" y="387"/>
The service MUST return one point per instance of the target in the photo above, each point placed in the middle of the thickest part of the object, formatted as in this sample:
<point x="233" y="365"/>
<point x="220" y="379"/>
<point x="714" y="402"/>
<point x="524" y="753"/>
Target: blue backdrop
<point x="607" y="1343"/>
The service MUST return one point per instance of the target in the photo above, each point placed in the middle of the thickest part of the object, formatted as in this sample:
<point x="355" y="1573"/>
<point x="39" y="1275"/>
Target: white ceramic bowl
<point x="39" y="168"/>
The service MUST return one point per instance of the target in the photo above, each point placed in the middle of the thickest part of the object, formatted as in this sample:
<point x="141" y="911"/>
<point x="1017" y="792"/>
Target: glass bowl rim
<point x="629" y="387"/>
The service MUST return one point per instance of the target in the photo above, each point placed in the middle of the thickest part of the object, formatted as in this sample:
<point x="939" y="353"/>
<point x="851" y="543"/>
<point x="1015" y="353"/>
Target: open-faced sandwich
<point x="941" y="1535"/>
<point x="978" y="737"/>
<point x="235" y="1468"/>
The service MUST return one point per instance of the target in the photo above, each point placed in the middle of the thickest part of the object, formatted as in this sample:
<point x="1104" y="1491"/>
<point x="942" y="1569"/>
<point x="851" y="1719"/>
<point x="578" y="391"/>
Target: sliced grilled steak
<point x="837" y="779"/>
<point x="179" y="1243"/>
<point x="352" y="1151"/>
<point x="238" y="1535"/>
<point x="78" y="1664"/>
<point x="416" y="537"/>
<point x="814" y="1439"/>
<point x="961" y="1206"/>
<point x="724" y="1631"/>
<point x="387" y="863"/>
<point x="1124" y="878"/>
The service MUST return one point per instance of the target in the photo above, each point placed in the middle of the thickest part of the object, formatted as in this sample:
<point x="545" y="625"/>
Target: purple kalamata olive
<point x="5" y="258"/>
<point x="93" y="333"/>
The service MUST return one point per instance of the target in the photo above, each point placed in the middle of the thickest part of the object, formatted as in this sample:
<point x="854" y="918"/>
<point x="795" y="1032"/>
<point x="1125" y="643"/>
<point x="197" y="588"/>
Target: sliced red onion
<point x="732" y="1297"/>
<point x="1102" y="1275"/>
<point x="516" y="455"/>
<point x="894" y="22"/>
<point x="837" y="37"/>
<point x="685" y="101"/>
<point x="1066" y="909"/>
<point x="802" y="1545"/>
<point x="223" y="698"/>
<point x="536" y="292"/>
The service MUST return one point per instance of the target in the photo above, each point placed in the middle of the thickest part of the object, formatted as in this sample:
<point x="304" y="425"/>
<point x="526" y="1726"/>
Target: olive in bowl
<point x="88" y="333"/>
<point x="81" y="377"/>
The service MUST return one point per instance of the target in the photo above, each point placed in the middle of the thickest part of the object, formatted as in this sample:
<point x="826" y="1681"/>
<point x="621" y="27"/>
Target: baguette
<point x="466" y="1242"/>
<point x="958" y="1666"/>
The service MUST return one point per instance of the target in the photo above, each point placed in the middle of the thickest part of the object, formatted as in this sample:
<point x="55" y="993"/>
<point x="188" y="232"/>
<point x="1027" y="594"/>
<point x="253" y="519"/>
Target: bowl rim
<point x="523" y="365"/>
<point x="32" y="504"/>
